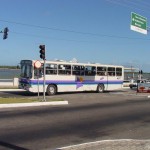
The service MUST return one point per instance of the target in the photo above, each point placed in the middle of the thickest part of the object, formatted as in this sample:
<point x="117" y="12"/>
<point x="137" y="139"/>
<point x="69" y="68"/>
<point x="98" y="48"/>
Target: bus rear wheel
<point x="51" y="90"/>
<point x="100" y="88"/>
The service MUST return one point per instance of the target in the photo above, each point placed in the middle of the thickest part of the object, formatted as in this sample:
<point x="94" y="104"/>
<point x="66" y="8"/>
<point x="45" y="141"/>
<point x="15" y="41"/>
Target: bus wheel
<point x="100" y="88"/>
<point x="51" y="89"/>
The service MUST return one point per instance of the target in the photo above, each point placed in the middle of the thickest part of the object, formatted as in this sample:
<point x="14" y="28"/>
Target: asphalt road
<point x="88" y="117"/>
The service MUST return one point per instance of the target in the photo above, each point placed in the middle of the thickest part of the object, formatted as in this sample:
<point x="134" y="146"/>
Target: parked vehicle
<point x="143" y="81"/>
<point x="135" y="83"/>
<point x="143" y="86"/>
<point x="132" y="85"/>
<point x="126" y="83"/>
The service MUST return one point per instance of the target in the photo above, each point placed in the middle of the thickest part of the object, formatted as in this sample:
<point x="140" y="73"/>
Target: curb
<point x="33" y="104"/>
<point x="118" y="144"/>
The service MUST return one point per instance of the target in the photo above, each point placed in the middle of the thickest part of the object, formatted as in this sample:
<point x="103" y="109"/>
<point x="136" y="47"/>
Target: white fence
<point x="9" y="82"/>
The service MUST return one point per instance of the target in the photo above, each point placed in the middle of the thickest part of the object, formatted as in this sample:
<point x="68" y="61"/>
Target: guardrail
<point x="9" y="82"/>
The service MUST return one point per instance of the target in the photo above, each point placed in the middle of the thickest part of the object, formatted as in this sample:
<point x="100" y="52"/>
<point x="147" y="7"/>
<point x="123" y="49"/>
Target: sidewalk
<point x="120" y="144"/>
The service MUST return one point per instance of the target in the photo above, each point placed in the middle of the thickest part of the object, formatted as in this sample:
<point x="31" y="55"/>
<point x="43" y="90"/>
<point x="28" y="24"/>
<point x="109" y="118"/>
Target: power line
<point x="76" y="32"/>
<point x="126" y="5"/>
<point x="145" y="3"/>
<point x="103" y="36"/>
<point x="48" y="28"/>
<point x="47" y="37"/>
<point x="134" y="4"/>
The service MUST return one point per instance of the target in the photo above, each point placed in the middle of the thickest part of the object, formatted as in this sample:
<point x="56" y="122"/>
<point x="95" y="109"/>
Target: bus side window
<point x="77" y="70"/>
<point x="68" y="69"/>
<point x="118" y="71"/>
<point x="94" y="70"/>
<point x="111" y="71"/>
<point x="86" y="71"/>
<point x="90" y="70"/>
<point x="64" y="69"/>
<point x="51" y="69"/>
<point x="101" y="71"/>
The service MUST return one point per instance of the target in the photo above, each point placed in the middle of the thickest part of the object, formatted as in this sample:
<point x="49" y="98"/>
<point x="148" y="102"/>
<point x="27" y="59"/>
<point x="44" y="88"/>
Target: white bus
<point x="61" y="76"/>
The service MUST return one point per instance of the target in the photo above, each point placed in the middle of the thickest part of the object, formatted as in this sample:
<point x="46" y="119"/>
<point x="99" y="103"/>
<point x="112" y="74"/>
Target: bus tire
<point x="100" y="88"/>
<point x="51" y="89"/>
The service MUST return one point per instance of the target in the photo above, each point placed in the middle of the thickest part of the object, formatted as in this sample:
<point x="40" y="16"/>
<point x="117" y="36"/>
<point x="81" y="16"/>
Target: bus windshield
<point x="26" y="70"/>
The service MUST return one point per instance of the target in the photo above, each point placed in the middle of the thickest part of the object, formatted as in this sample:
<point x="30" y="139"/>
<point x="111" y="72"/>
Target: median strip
<point x="22" y="102"/>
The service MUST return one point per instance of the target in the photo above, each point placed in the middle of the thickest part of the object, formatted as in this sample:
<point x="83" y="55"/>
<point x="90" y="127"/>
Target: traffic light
<point x="140" y="72"/>
<point x="42" y="51"/>
<point x="5" y="33"/>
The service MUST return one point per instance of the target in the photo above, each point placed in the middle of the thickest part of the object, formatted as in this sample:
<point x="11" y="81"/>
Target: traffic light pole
<point x="42" y="56"/>
<point x="44" y="99"/>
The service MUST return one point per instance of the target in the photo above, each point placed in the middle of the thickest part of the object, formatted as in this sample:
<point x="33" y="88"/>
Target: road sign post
<point x="37" y="65"/>
<point x="138" y="23"/>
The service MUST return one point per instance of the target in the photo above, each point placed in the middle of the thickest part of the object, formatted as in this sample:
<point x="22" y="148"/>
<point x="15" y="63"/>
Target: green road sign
<point x="138" y="23"/>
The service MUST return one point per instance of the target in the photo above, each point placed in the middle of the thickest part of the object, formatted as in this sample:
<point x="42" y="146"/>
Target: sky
<point x="96" y="31"/>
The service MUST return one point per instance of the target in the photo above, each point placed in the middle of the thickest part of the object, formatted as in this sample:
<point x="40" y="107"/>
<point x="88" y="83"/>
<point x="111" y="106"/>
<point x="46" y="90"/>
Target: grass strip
<point x="26" y="100"/>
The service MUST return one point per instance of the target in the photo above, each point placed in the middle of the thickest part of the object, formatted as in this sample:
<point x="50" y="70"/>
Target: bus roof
<point x="74" y="63"/>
